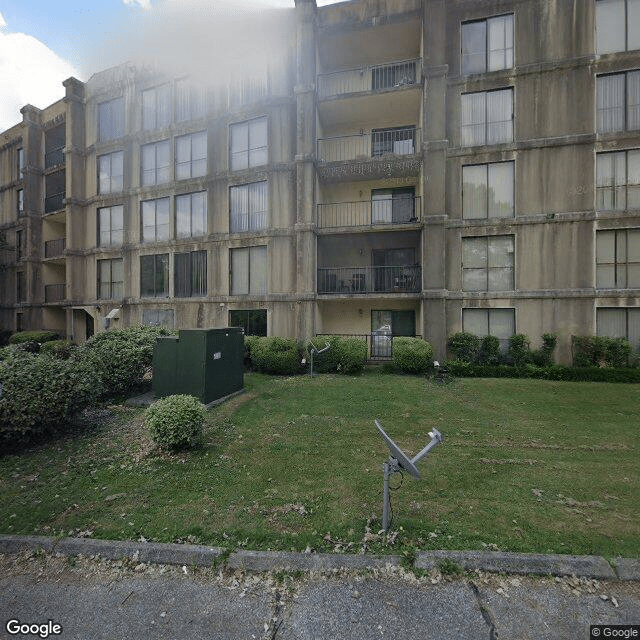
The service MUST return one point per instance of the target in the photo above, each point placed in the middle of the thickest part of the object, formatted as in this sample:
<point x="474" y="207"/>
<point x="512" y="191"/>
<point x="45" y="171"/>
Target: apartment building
<point x="401" y="167"/>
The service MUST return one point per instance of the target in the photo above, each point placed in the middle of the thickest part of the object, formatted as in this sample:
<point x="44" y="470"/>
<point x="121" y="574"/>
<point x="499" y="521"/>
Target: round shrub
<point x="489" y="350"/>
<point x="33" y="336"/>
<point x="345" y="355"/>
<point x="176" y="422"/>
<point x="58" y="348"/>
<point x="280" y="356"/>
<point x="249" y="341"/>
<point x="412" y="355"/>
<point x="519" y="349"/>
<point x="464" y="346"/>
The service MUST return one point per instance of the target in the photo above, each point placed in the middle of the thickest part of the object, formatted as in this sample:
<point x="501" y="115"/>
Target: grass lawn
<point x="295" y="463"/>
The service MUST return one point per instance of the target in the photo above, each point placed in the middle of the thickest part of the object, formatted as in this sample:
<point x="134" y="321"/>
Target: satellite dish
<point x="399" y="455"/>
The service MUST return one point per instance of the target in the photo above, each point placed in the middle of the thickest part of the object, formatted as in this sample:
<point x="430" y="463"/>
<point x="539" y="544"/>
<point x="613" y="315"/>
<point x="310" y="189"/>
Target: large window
<point x="387" y="323"/>
<point x="20" y="202"/>
<point x="20" y="162"/>
<point x="248" y="144"/>
<point x="617" y="25"/>
<point x="111" y="120"/>
<point x="191" y="215"/>
<point x="500" y="323"/>
<point x="487" y="263"/>
<point x="190" y="101"/>
<point x="393" y="205"/>
<point x="191" y="155"/>
<point x="111" y="172"/>
<point x="248" y="207"/>
<point x="400" y="141"/>
<point x="21" y="291"/>
<point x="190" y="274"/>
<point x="616" y="322"/>
<point x="618" y="180"/>
<point x="249" y="271"/>
<point x="54" y="191"/>
<point x="618" y="259"/>
<point x="618" y="102"/>
<point x="156" y="163"/>
<point x="487" y="45"/>
<point x="253" y="321"/>
<point x="110" y="226"/>
<point x="487" y="117"/>
<point x="155" y="220"/>
<point x="154" y="276"/>
<point x="110" y="279"/>
<point x="156" y="107"/>
<point x="488" y="190"/>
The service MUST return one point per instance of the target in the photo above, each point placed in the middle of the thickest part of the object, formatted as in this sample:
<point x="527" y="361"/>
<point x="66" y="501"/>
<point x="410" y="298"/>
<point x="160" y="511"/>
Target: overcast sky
<point x="43" y="42"/>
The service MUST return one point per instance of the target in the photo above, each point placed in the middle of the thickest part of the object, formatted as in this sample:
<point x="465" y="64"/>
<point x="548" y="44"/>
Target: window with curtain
<point x="191" y="155"/>
<point x="156" y="107"/>
<point x="154" y="276"/>
<point x="487" y="45"/>
<point x="248" y="146"/>
<point x="156" y="162"/>
<point x="110" y="279"/>
<point x="617" y="25"/>
<point x="191" y="215"/>
<point x="488" y="264"/>
<point x="249" y="206"/>
<point x="618" y="259"/>
<point x="618" y="102"/>
<point x="190" y="274"/>
<point x="618" y="180"/>
<point x="111" y="119"/>
<point x="154" y="216"/>
<point x="500" y="323"/>
<point x="248" y="270"/>
<point x="619" y="322"/>
<point x="488" y="190"/>
<point x="110" y="226"/>
<point x="111" y="172"/>
<point x="487" y="117"/>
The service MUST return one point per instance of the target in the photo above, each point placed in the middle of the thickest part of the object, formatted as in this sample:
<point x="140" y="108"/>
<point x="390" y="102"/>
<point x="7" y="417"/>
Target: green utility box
<point x="205" y="363"/>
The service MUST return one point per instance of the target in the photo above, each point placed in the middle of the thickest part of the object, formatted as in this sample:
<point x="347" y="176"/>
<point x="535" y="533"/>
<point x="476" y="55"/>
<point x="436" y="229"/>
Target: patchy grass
<point x="295" y="463"/>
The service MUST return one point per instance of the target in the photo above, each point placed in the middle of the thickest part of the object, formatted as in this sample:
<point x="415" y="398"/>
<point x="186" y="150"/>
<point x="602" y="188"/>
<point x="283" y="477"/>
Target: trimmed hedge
<point x="345" y="355"/>
<point x="280" y="356"/>
<point x="33" y="336"/>
<point x="176" y="422"/>
<point x="412" y="355"/>
<point x="464" y="346"/>
<point x="591" y="351"/>
<point x="249" y="341"/>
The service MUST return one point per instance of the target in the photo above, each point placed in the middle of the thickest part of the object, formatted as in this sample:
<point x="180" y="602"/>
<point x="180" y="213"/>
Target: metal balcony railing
<point x="247" y="90"/>
<point x="54" y="157"/>
<point x="54" y="202"/>
<point x="379" y="143"/>
<point x="379" y="343"/>
<point x="394" y="210"/>
<point x="362" y="280"/>
<point x="54" y="292"/>
<point x="54" y="248"/>
<point x="393" y="75"/>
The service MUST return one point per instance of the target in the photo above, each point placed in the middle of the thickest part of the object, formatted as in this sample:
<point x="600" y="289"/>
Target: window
<point x="248" y="144"/>
<point x="156" y="163"/>
<point x="618" y="102"/>
<point x="617" y="322"/>
<point x="490" y="322"/>
<point x="110" y="226"/>
<point x="21" y="292"/>
<point x="190" y="274"/>
<point x="19" y="244"/>
<point x="111" y="172"/>
<point x="400" y="141"/>
<point x="190" y="101"/>
<point x="617" y="25"/>
<point x="159" y="318"/>
<point x="618" y="180"/>
<point x="154" y="276"/>
<point x="191" y="155"/>
<point x="110" y="279"/>
<point x="487" y="45"/>
<point x="248" y="207"/>
<point x="249" y="271"/>
<point x="54" y="185"/>
<point x="393" y="205"/>
<point x="191" y="215"/>
<point x="156" y="107"/>
<point x="488" y="190"/>
<point x="618" y="259"/>
<point x="54" y="141"/>
<point x="111" y="120"/>
<point x="246" y="89"/>
<point x="487" y="263"/>
<point x="155" y="220"/>
<point x="20" y="158"/>
<point x="385" y="324"/>
<point x="253" y="321"/>
<point x="487" y="117"/>
<point x="20" y="202"/>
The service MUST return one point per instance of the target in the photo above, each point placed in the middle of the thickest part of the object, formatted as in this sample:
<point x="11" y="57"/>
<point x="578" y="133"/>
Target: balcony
<point x="54" y="292"/>
<point x="403" y="210"/>
<point x="54" y="202"/>
<point x="54" y="158"/>
<point x="54" y="248"/>
<point x="395" y="75"/>
<point x="370" y="280"/>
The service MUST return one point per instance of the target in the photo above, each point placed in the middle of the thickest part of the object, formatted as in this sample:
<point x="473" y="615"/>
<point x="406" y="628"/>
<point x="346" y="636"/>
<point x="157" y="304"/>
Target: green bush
<point x="176" y="422"/>
<point x="519" y="349"/>
<point x="412" y="355"/>
<point x="280" y="356"/>
<point x="42" y="394"/>
<point x="543" y="357"/>
<point x="33" y="336"/>
<point x="464" y="346"/>
<point x="61" y="349"/>
<point x="5" y="334"/>
<point x="599" y="351"/>
<point x="489" y="350"/>
<point x="121" y="358"/>
<point x="345" y="355"/>
<point x="249" y="341"/>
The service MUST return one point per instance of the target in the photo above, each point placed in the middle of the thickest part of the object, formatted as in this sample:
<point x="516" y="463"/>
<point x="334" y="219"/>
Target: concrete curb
<point x="258" y="561"/>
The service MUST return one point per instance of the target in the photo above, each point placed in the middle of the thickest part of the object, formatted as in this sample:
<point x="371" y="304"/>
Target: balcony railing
<point x="393" y="75"/>
<point x="54" y="292"/>
<point x="379" y="143"/>
<point x="54" y="248"/>
<point x="397" y="210"/>
<point x="54" y="202"/>
<point x="54" y="157"/>
<point x="363" y="280"/>
<point x="379" y="343"/>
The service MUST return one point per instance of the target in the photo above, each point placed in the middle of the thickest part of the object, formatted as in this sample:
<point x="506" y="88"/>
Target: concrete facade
<point x="389" y="165"/>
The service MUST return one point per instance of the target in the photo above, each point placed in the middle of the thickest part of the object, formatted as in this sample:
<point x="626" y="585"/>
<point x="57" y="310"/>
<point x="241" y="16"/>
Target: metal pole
<point x="385" y="498"/>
